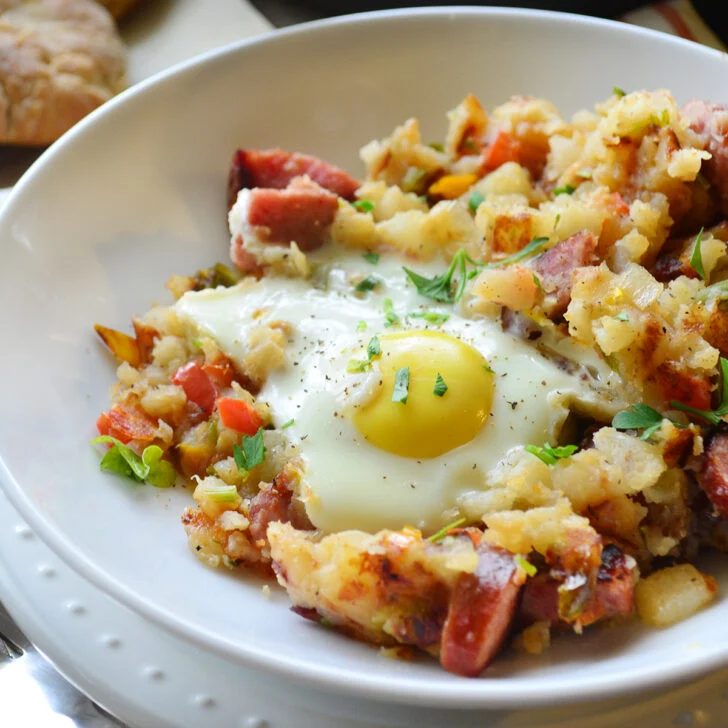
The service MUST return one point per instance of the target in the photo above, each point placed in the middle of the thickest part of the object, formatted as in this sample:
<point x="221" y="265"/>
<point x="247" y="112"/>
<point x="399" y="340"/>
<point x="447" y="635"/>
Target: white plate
<point x="136" y="192"/>
<point x="151" y="680"/>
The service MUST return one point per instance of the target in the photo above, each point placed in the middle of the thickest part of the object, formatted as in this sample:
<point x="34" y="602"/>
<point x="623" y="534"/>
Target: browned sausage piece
<point x="713" y="478"/>
<point x="301" y="213"/>
<point x="710" y="122"/>
<point x="556" y="266"/>
<point x="274" y="502"/>
<point x="480" y="613"/>
<point x="275" y="168"/>
<point x="612" y="594"/>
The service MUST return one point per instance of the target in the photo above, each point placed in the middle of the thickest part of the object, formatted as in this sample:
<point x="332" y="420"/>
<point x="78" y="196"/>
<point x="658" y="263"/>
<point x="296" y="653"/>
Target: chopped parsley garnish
<point x="372" y="258"/>
<point x="285" y="425"/>
<point x="390" y="317"/>
<point x="549" y="454"/>
<point x="122" y="460"/>
<point x="437" y="146"/>
<point x="373" y="347"/>
<point x="584" y="173"/>
<point x="532" y="247"/>
<point x="357" y="366"/>
<point x="618" y="92"/>
<point x="361" y="326"/>
<point x="363" y="205"/>
<point x="439" y="288"/>
<point x="715" y="416"/>
<point x="486" y="368"/>
<point x="437" y="537"/>
<point x="476" y="199"/>
<point x="622" y="316"/>
<point x="251" y="453"/>
<point x="525" y="565"/>
<point x="440" y="387"/>
<point x="431" y="317"/>
<point x="696" y="259"/>
<point x="367" y="284"/>
<point x="639" y="417"/>
<point x="469" y="145"/>
<point x="538" y="283"/>
<point x="565" y="190"/>
<point x="401" y="385"/>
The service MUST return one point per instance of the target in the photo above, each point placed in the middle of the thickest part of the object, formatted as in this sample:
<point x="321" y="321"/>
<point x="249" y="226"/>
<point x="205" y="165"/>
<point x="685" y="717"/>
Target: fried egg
<point x="398" y="405"/>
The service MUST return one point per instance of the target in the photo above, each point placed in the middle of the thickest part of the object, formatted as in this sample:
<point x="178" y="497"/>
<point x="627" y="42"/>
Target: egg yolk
<point x="427" y="425"/>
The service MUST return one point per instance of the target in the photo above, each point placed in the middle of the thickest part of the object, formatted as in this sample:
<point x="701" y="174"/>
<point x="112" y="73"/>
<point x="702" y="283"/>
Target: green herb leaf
<point x="476" y="199"/>
<point x="649" y="431"/>
<point x="584" y="173"/>
<point x="525" y="565"/>
<point x="251" y="453"/>
<point x="488" y="369"/>
<point x="532" y="247"/>
<point x="431" y="317"/>
<point x="286" y="425"/>
<point x="637" y="417"/>
<point x="440" y="386"/>
<point x="565" y="190"/>
<point x="390" y="317"/>
<point x="373" y="347"/>
<point x="122" y="460"/>
<point x="372" y="258"/>
<point x="440" y="288"/>
<point x="538" y="283"/>
<point x="437" y="146"/>
<point x="549" y="455"/>
<point x="440" y="535"/>
<point x="715" y="416"/>
<point x="367" y="284"/>
<point x="696" y="259"/>
<point x="363" y="205"/>
<point x="469" y="145"/>
<point x="161" y="472"/>
<point x="401" y="385"/>
<point x="622" y="316"/>
<point x="618" y="92"/>
<point x="357" y="366"/>
<point x="361" y="326"/>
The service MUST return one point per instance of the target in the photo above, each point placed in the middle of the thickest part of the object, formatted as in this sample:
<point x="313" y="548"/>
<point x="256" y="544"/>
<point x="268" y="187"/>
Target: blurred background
<point x="712" y="12"/>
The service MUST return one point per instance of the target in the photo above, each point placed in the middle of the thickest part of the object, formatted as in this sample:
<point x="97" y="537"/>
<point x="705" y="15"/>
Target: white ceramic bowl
<point x="137" y="192"/>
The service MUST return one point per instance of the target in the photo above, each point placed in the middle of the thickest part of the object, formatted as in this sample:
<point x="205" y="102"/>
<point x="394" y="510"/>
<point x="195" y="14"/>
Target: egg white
<point x="351" y="484"/>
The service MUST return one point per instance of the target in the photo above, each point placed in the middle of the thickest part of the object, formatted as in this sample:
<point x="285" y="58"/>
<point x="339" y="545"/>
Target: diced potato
<point x="514" y="287"/>
<point x="673" y="594"/>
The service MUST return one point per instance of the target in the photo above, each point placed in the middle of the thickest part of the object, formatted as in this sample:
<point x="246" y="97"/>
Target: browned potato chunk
<point x="122" y="345"/>
<point x="673" y="594"/>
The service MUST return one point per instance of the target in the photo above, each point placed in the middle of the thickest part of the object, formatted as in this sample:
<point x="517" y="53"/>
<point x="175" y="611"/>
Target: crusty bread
<point x="59" y="60"/>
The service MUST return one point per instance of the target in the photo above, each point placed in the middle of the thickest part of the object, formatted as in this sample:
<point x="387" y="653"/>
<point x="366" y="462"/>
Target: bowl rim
<point x="478" y="693"/>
